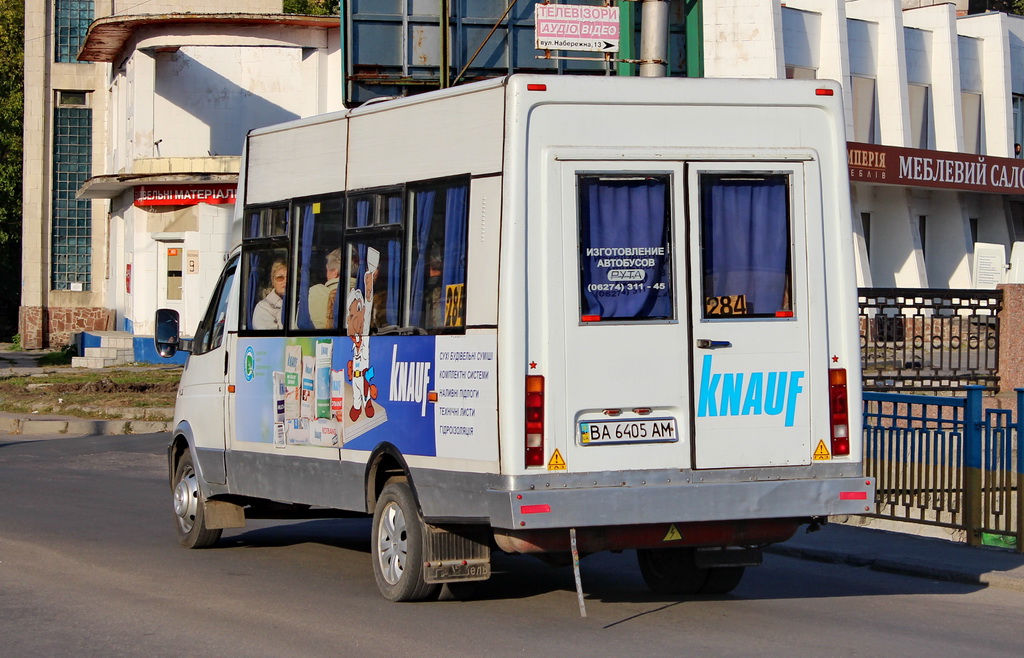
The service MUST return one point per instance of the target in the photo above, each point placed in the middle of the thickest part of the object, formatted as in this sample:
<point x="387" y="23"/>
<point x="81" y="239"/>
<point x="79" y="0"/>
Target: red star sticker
<point x="533" y="365"/>
<point x="835" y="359"/>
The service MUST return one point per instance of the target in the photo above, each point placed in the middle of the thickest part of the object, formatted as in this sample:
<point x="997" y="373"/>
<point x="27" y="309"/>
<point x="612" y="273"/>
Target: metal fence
<point x="946" y="461"/>
<point x="921" y="339"/>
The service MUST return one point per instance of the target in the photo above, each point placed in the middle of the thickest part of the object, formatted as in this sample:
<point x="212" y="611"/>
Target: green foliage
<point x="313" y="7"/>
<point x="15" y="345"/>
<point x="12" y="40"/>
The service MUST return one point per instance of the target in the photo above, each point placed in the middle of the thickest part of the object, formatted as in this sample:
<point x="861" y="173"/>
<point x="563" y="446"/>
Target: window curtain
<point x="252" y="286"/>
<point x="394" y="210"/>
<point x="302" y="319"/>
<point x="455" y="236"/>
<point x="617" y="215"/>
<point x="361" y="219"/>
<point x="422" y="219"/>
<point x="745" y="240"/>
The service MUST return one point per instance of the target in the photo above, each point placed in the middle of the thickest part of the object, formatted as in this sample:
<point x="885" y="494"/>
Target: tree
<point x="12" y="68"/>
<point x="313" y="7"/>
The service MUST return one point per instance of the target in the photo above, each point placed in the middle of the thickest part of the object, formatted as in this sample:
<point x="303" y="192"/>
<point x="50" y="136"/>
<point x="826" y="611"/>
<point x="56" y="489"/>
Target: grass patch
<point x="88" y="393"/>
<point x="61" y="357"/>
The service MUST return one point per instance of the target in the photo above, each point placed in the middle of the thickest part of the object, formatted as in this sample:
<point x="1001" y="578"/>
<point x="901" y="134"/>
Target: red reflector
<point x="535" y="509"/>
<point x="853" y="495"/>
<point x="783" y="314"/>
<point x="591" y="318"/>
<point x="536" y="87"/>
<point x="823" y="92"/>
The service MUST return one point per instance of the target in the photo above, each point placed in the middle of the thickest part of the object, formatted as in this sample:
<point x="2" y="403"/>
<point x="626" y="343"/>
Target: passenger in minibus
<point x="322" y="295"/>
<point x="267" y="314"/>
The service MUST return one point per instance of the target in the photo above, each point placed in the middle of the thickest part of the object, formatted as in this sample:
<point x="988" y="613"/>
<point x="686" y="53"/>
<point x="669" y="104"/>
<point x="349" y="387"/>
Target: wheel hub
<point x="186" y="500"/>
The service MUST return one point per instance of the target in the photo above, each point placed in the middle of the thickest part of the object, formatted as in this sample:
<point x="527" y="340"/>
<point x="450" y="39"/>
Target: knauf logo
<point x="748" y="394"/>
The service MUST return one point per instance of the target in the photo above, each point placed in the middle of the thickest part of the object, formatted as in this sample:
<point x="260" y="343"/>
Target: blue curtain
<point x="455" y="236"/>
<point x="362" y="218"/>
<point x="745" y="240"/>
<point x="394" y="212"/>
<point x="254" y="225"/>
<point x="252" y="287"/>
<point x="422" y="218"/>
<point x="363" y="208"/>
<point x="302" y="319"/>
<point x="617" y="218"/>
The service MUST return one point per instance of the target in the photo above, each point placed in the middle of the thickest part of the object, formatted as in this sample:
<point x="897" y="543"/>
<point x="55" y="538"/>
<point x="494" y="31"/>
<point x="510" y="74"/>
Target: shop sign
<point x="891" y="165"/>
<point x="184" y="195"/>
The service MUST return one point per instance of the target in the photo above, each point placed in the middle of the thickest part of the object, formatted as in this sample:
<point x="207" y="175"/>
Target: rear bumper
<point x="682" y="503"/>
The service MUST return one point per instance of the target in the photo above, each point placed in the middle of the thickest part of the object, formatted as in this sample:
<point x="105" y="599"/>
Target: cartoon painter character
<point x="360" y="311"/>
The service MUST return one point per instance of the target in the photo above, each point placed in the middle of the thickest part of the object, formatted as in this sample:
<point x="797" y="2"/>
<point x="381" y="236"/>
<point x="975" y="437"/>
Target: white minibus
<point x="536" y="314"/>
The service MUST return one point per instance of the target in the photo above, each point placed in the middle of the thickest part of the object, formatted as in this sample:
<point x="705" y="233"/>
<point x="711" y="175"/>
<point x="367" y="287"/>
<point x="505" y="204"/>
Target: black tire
<point x="722" y="580"/>
<point x="671" y="570"/>
<point x="189" y="523"/>
<point x="397" y="545"/>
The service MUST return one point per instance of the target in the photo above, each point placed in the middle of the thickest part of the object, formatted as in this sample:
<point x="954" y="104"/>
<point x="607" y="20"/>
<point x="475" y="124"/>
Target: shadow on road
<point x="608" y="577"/>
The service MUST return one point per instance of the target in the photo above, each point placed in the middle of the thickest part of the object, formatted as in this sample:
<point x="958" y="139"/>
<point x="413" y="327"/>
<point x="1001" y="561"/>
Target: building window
<point x="800" y="73"/>
<point x="865" y="223"/>
<point x="922" y="127"/>
<point x="71" y="225"/>
<point x="922" y="232"/>
<point x="970" y="105"/>
<point x="71" y="21"/>
<point x="865" y="111"/>
<point x="1018" y="124"/>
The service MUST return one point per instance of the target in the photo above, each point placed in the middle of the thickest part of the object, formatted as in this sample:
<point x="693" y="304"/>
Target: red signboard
<point x="891" y="165"/>
<point x="184" y="195"/>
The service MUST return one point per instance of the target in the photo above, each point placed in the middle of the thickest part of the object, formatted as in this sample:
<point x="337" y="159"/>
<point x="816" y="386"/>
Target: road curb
<point x="32" y="427"/>
<point x="907" y="567"/>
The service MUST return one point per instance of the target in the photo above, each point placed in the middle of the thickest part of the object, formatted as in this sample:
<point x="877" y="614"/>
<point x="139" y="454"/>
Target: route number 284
<point x="726" y="305"/>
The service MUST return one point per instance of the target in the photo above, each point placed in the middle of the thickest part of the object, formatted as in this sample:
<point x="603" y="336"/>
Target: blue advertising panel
<point x="427" y="395"/>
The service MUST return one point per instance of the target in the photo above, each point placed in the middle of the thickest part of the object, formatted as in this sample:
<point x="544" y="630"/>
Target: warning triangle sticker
<point x="821" y="453"/>
<point x="556" y="463"/>
<point x="673" y="533"/>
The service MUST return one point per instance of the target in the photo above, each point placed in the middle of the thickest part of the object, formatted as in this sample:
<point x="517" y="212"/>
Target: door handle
<point x="708" y="344"/>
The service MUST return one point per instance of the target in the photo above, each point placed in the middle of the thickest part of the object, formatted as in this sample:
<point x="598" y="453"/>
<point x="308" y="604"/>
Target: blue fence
<point x="947" y="461"/>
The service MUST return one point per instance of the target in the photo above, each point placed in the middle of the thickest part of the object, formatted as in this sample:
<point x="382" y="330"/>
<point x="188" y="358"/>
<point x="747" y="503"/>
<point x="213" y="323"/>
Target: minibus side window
<point x="438" y="258"/>
<point x="745" y="246"/>
<point x="318" y="262"/>
<point x="265" y="280"/>
<point x="625" y="248"/>
<point x="370" y="297"/>
<point x="210" y="332"/>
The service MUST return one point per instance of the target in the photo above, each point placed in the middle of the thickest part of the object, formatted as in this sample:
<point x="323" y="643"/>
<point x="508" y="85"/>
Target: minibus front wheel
<point x="190" y="523"/>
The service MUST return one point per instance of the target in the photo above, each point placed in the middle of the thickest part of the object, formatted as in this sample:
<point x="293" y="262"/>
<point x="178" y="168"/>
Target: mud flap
<point x="456" y="553"/>
<point x="221" y="514"/>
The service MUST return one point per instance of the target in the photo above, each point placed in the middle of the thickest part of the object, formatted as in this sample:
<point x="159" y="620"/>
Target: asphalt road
<point x="89" y="565"/>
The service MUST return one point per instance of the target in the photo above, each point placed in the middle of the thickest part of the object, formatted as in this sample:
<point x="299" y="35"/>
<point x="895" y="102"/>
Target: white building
<point x="134" y="128"/>
<point x="134" y="125"/>
<point x="935" y="103"/>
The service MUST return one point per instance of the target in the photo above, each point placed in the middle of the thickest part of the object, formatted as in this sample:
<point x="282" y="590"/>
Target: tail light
<point x="840" y="412"/>
<point x="534" y="420"/>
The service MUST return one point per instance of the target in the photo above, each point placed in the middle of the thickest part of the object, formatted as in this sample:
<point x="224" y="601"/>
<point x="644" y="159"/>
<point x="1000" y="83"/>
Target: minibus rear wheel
<point x="189" y="522"/>
<point x="397" y="545"/>
<point x="671" y="570"/>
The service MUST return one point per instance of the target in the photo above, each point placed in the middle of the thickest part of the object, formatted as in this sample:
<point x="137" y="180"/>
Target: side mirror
<point x="167" y="336"/>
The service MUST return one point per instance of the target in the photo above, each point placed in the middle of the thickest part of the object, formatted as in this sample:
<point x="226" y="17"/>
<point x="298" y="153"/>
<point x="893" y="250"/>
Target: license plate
<point x="646" y="430"/>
